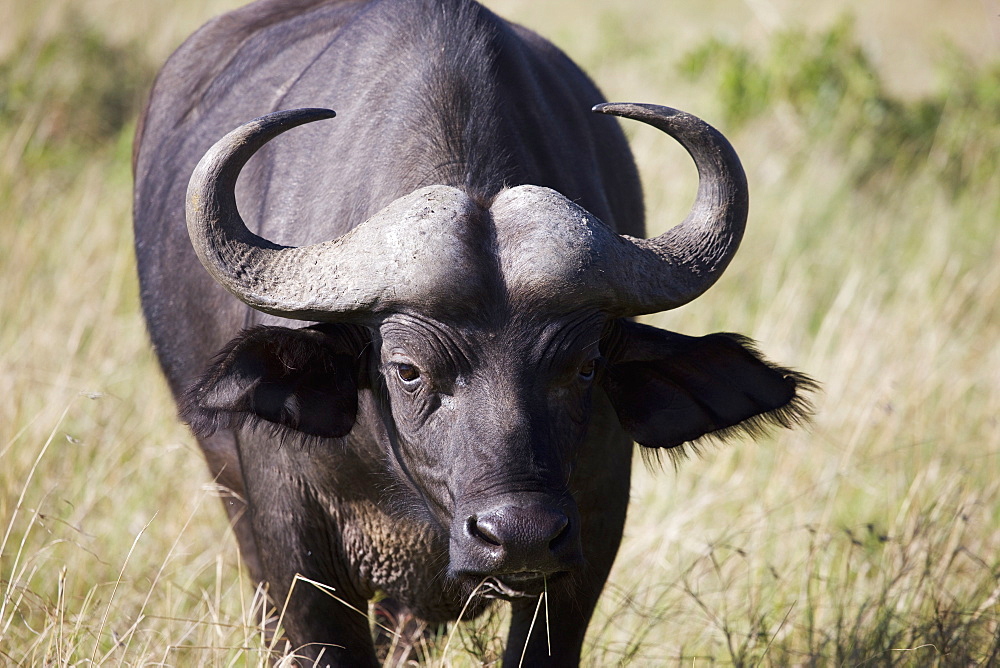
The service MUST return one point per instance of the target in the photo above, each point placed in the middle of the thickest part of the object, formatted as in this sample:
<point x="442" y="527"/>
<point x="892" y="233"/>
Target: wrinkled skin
<point x="470" y="446"/>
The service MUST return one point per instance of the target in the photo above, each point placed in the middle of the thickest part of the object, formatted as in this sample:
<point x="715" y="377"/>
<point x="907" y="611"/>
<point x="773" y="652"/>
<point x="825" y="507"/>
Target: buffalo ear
<point x="305" y="380"/>
<point x="669" y="389"/>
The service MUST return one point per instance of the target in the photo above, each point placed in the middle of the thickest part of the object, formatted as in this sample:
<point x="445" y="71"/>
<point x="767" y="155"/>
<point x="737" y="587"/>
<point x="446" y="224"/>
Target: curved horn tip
<point x="687" y="259"/>
<point x="237" y="147"/>
<point x="290" y="118"/>
<point x="606" y="107"/>
<point x="311" y="113"/>
<point x="640" y="112"/>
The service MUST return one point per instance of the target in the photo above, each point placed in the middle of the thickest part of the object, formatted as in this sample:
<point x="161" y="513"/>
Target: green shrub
<point x="70" y="89"/>
<point x="831" y="87"/>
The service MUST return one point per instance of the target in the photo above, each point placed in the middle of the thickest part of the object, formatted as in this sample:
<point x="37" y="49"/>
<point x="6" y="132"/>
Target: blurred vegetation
<point x="870" y="262"/>
<point x="68" y="92"/>
<point x="831" y="89"/>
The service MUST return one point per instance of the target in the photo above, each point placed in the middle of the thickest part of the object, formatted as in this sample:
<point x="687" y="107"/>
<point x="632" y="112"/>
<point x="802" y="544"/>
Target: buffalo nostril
<point x="520" y="531"/>
<point x="561" y="530"/>
<point x="557" y="529"/>
<point x="482" y="531"/>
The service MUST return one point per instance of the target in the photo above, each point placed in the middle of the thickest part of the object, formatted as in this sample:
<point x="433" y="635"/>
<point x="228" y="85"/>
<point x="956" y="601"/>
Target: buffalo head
<point x="484" y="328"/>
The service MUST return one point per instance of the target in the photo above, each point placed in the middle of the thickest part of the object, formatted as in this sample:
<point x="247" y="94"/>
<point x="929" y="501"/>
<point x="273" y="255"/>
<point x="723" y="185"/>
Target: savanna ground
<point x="871" y="136"/>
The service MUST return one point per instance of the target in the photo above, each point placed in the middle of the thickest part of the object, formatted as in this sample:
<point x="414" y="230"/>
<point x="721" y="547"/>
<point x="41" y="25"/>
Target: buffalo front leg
<point x="322" y="612"/>
<point x="398" y="632"/>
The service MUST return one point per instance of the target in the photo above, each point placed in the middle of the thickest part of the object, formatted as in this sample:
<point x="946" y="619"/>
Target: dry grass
<point x="871" y="539"/>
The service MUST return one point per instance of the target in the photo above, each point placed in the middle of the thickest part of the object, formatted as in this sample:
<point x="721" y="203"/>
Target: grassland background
<point x="871" y="262"/>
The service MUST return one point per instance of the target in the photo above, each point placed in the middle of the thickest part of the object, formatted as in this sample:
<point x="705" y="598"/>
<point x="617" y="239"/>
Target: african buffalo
<point x="455" y="424"/>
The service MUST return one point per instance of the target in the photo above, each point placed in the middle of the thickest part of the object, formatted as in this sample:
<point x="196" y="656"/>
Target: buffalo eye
<point x="408" y="373"/>
<point x="588" y="369"/>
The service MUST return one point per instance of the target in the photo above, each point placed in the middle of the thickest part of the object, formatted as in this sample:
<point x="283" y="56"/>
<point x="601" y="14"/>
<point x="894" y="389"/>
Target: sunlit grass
<point x="870" y="539"/>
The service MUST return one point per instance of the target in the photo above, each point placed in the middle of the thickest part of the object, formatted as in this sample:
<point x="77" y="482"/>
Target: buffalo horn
<point x="395" y="256"/>
<point x="672" y="269"/>
<point x="398" y="256"/>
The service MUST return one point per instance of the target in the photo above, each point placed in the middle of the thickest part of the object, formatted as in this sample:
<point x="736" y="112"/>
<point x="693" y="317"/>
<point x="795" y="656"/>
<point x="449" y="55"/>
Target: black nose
<point x="511" y="538"/>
